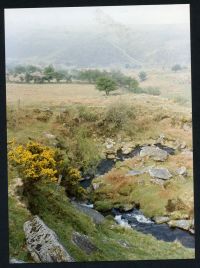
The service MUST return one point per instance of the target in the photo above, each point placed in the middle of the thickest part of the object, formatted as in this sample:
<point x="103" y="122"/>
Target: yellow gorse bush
<point x="74" y="173"/>
<point x="35" y="161"/>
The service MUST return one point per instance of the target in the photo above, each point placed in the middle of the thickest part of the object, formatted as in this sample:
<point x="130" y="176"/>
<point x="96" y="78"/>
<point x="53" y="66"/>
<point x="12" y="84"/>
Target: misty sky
<point x="76" y="18"/>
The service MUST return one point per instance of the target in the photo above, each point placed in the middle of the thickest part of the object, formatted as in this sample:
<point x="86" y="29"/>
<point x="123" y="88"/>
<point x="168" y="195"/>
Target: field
<point x="86" y="126"/>
<point x="171" y="85"/>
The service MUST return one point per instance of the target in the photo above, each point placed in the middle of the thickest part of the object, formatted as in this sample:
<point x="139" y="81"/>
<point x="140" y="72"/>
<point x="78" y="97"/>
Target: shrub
<point x="86" y="114"/>
<point x="66" y="115"/>
<point x="118" y="115"/>
<point x="137" y="90"/>
<point x="35" y="161"/>
<point x="142" y="76"/>
<point x="180" y="100"/>
<point x="152" y="91"/>
<point x="86" y="151"/>
<point x="71" y="183"/>
<point x="45" y="115"/>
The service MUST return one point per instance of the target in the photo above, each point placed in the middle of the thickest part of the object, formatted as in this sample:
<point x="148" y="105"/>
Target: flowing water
<point x="106" y="165"/>
<point x="136" y="220"/>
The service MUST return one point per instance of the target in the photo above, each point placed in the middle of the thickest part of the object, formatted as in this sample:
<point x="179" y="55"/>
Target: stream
<point x="106" y="165"/>
<point x="135" y="218"/>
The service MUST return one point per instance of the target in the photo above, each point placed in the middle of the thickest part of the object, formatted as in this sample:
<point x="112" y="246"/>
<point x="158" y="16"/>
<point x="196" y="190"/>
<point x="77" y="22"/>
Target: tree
<point x="19" y="69"/>
<point x="58" y="76"/>
<point x="32" y="69"/>
<point x="49" y="72"/>
<point x="176" y="68"/>
<point x="133" y="85"/>
<point x="142" y="76"/>
<point x="89" y="75"/>
<point x="28" y="77"/>
<point x="106" y="84"/>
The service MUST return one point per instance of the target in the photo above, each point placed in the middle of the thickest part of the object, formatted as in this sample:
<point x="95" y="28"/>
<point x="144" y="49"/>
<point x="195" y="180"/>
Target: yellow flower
<point x="35" y="161"/>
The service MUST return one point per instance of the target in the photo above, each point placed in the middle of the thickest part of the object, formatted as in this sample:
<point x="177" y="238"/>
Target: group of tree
<point x="111" y="81"/>
<point x="106" y="81"/>
<point x="37" y="74"/>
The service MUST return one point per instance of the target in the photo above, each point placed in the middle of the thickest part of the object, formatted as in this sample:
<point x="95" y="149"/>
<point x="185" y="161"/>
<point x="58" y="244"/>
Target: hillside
<point x="87" y="122"/>
<point x="106" y="43"/>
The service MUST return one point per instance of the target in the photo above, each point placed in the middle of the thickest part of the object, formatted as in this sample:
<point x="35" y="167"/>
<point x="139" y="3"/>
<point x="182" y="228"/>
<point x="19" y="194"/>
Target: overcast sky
<point x="79" y="17"/>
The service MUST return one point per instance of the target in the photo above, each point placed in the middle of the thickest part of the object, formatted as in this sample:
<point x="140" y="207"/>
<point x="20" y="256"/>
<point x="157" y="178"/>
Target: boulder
<point x="180" y="145"/>
<point x="109" y="146"/>
<point x="49" y="136"/>
<point x="183" y="145"/>
<point x="83" y="242"/>
<point x="96" y="217"/>
<point x="43" y="243"/>
<point x="12" y="260"/>
<point x="109" y="143"/>
<point x="161" y="139"/>
<point x="111" y="156"/>
<point x="154" y="152"/>
<point x="182" y="171"/>
<point x="161" y="219"/>
<point x="160" y="173"/>
<point x="126" y="207"/>
<point x="192" y="231"/>
<point x="126" y="149"/>
<point x="181" y="224"/>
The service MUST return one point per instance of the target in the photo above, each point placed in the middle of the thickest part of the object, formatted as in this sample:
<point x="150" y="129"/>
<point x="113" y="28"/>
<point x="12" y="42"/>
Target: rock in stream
<point x="154" y="152"/>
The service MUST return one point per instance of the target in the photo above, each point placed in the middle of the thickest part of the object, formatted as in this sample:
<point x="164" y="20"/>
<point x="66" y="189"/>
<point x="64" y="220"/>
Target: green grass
<point x="125" y="116"/>
<point x="17" y="244"/>
<point x="52" y="205"/>
<point x="117" y="190"/>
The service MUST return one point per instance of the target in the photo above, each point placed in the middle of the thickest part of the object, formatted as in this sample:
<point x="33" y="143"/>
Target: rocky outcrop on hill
<point x="43" y="243"/>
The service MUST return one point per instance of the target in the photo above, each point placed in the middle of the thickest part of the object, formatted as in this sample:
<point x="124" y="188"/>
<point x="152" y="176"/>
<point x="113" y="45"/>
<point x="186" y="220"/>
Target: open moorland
<point x="105" y="173"/>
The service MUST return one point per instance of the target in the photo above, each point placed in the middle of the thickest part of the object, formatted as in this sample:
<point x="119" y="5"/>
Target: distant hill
<point x="110" y="45"/>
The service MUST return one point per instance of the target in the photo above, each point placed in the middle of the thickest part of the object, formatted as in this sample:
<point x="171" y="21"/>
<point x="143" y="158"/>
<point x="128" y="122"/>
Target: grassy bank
<point x="52" y="205"/>
<point x="118" y="189"/>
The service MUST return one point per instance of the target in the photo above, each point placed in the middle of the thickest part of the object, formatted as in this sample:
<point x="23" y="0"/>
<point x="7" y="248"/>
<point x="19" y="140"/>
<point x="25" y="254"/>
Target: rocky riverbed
<point x="175" y="224"/>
